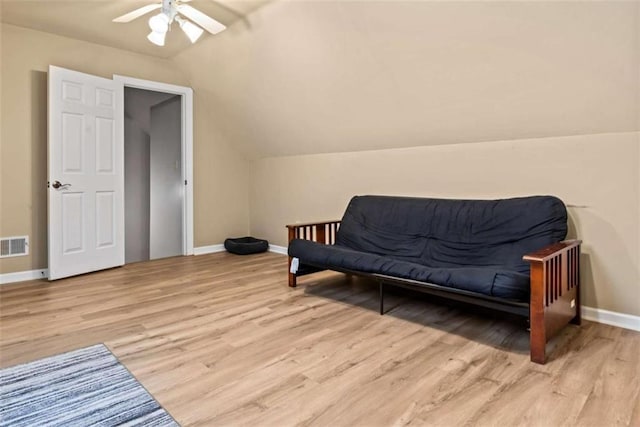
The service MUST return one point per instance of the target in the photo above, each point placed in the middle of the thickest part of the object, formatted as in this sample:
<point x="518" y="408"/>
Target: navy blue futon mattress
<point x="475" y="245"/>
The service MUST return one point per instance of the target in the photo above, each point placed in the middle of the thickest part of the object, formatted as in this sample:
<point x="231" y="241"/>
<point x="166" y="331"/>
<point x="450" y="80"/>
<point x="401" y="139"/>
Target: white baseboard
<point x="211" y="249"/>
<point x="22" y="276"/>
<point x="278" y="249"/>
<point x="202" y="250"/>
<point x="612" y="318"/>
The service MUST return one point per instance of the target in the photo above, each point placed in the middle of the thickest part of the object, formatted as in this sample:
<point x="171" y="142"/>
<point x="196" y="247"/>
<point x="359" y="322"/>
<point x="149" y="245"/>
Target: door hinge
<point x="185" y="182"/>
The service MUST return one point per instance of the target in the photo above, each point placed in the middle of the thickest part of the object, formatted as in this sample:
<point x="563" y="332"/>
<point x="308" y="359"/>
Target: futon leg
<point x="538" y="352"/>
<point x="381" y="298"/>
<point x="538" y="341"/>
<point x="577" y="319"/>
<point x="292" y="277"/>
<point x="292" y="280"/>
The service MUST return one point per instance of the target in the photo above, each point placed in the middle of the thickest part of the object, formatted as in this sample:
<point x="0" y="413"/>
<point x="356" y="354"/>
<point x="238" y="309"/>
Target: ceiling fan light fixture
<point x="159" y="23"/>
<point x="191" y="30"/>
<point x="157" y="38"/>
<point x="192" y="21"/>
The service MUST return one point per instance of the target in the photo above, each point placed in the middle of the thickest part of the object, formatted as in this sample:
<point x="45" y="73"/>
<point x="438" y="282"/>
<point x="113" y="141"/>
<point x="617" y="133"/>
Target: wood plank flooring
<point x="220" y="340"/>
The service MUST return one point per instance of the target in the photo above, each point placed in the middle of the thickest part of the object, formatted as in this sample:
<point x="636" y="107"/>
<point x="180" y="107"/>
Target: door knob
<point x="59" y="186"/>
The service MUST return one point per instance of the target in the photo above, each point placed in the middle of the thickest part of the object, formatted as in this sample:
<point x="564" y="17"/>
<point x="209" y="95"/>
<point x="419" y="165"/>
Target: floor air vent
<point x="14" y="246"/>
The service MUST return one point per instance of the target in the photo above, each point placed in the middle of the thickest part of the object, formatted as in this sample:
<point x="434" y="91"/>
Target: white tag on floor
<point x="294" y="265"/>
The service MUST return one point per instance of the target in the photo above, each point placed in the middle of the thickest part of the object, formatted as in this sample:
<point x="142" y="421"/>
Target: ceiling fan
<point x="174" y="11"/>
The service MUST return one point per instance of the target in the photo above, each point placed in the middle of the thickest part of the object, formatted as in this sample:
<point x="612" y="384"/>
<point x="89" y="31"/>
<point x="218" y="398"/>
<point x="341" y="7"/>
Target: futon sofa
<point x="508" y="254"/>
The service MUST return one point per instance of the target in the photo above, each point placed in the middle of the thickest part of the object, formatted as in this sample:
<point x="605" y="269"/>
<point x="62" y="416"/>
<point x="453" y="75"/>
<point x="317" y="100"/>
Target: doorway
<point x="158" y="144"/>
<point x="153" y="193"/>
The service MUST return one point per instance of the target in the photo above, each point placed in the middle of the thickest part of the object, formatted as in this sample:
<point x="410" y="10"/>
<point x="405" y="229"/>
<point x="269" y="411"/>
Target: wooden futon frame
<point x="555" y="285"/>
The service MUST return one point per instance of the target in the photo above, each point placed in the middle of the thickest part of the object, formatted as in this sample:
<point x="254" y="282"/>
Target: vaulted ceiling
<point x="90" y="20"/>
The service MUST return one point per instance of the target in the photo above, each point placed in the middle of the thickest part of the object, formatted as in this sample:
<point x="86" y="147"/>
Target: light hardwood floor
<point x="221" y="340"/>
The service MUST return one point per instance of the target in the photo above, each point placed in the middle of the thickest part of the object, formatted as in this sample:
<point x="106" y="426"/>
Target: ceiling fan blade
<point x="128" y="17"/>
<point x="209" y="24"/>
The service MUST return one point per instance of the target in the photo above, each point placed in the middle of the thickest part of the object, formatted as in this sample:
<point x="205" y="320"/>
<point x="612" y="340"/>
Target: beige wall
<point x="220" y="192"/>
<point x="596" y="175"/>
<point x="221" y="180"/>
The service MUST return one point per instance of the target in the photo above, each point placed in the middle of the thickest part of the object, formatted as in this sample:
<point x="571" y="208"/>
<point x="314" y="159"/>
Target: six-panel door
<point x="86" y="176"/>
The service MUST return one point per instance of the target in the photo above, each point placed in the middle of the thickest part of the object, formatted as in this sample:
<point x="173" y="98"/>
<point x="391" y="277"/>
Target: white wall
<point x="137" y="107"/>
<point x="138" y="103"/>
<point x="167" y="188"/>
<point x="136" y="192"/>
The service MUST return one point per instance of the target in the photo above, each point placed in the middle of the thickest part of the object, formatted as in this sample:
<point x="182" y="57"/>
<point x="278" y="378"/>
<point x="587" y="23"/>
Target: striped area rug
<point x="85" y="387"/>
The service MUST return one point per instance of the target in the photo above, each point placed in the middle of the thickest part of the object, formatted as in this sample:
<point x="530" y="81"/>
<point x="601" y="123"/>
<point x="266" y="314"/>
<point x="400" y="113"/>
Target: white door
<point x="86" y="173"/>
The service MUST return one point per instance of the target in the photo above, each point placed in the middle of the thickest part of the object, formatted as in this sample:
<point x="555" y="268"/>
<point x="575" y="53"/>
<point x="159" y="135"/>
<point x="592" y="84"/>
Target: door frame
<point x="186" y="96"/>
